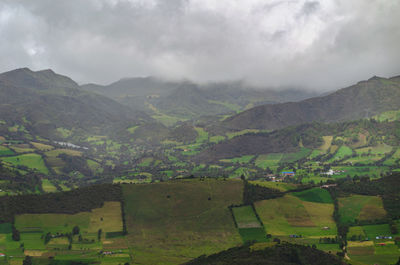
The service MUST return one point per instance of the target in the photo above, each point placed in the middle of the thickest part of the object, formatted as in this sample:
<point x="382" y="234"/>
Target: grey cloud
<point x="270" y="43"/>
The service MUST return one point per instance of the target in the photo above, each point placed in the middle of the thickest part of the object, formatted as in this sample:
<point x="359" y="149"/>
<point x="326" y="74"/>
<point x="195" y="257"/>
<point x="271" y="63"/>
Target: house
<point x="382" y="244"/>
<point x="288" y="173"/>
<point x="326" y="186"/>
<point x="2" y="255"/>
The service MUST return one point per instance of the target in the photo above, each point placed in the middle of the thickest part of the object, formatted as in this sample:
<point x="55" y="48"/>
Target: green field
<point x="145" y="162"/>
<point x="293" y="157"/>
<point x="314" y="195"/>
<point x="33" y="161"/>
<point x="290" y="215"/>
<point x="245" y="217"/>
<point x="253" y="234"/>
<point x="172" y="222"/>
<point x="270" y="160"/>
<point x="360" y="207"/>
<point x="282" y="186"/>
<point x="240" y="160"/>
<point x="4" y="151"/>
<point x="393" y="159"/>
<point x="375" y="150"/>
<point x="48" y="186"/>
<point x="341" y="153"/>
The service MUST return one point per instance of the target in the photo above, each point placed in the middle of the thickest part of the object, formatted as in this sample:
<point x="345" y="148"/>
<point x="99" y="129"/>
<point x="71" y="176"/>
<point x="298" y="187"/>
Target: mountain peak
<point x="375" y="78"/>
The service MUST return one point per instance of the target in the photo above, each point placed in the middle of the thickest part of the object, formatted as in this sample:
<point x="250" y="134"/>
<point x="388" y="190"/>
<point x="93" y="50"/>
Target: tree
<point x="15" y="234"/>
<point x="99" y="234"/>
<point x="75" y="230"/>
<point x="27" y="260"/>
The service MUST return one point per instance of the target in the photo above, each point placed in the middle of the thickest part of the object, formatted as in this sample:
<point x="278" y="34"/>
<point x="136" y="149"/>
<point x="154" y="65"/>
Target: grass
<point x="270" y="160"/>
<point x="360" y="207"/>
<point x="56" y="152"/>
<point x="253" y="234"/>
<point x="202" y="135"/>
<point x="282" y="186"/>
<point x="145" y="162"/>
<point x="395" y="157"/>
<point x="48" y="186"/>
<point x="314" y="195"/>
<point x="217" y="139"/>
<point x="173" y="222"/>
<point x="341" y="153"/>
<point x="22" y="149"/>
<point x="372" y="231"/>
<point x="293" y="157"/>
<point x="4" y="151"/>
<point x="33" y="161"/>
<point x="108" y="218"/>
<point x="375" y="150"/>
<point x="241" y="160"/>
<point x="327" y="143"/>
<point x="356" y="231"/>
<point x="42" y="147"/>
<point x="290" y="215"/>
<point x="238" y="133"/>
<point x="245" y="217"/>
<point x="53" y="223"/>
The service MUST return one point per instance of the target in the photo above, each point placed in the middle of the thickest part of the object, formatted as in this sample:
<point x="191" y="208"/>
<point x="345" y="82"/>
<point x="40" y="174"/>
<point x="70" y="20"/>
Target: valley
<point x="143" y="184"/>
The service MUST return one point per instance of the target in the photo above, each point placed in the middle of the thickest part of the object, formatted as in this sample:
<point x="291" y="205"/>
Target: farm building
<point x="288" y="173"/>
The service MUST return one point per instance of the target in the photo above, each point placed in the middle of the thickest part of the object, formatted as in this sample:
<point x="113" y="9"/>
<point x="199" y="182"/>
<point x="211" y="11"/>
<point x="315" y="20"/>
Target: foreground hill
<point x="49" y="104"/>
<point x="364" y="99"/>
<point x="269" y="254"/>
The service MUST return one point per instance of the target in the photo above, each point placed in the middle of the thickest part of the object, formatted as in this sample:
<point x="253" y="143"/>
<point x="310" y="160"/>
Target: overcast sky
<point x="320" y="45"/>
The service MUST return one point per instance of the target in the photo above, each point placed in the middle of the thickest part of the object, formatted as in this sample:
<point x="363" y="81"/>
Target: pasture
<point x="172" y="222"/>
<point x="253" y="234"/>
<point x="270" y="160"/>
<point x="360" y="207"/>
<point x="314" y="195"/>
<point x="245" y="217"/>
<point x="290" y="215"/>
<point x="281" y="186"/>
<point x="32" y="161"/>
<point x="341" y="153"/>
<point x="48" y="186"/>
<point x="241" y="160"/>
<point x="4" y="151"/>
<point x="293" y="157"/>
<point x="42" y="147"/>
<point x="327" y="143"/>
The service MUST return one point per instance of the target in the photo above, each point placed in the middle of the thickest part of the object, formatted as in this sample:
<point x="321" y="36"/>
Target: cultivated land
<point x="290" y="215"/>
<point x="172" y="222"/>
<point x="360" y="208"/>
<point x="85" y="247"/>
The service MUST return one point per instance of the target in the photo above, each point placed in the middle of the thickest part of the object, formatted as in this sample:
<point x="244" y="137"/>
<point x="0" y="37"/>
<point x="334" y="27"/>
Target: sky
<point x="317" y="45"/>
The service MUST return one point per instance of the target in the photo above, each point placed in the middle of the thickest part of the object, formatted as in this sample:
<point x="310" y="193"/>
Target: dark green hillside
<point x="44" y="101"/>
<point x="365" y="99"/>
<point x="307" y="136"/>
<point x="269" y="254"/>
<point x="75" y="201"/>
